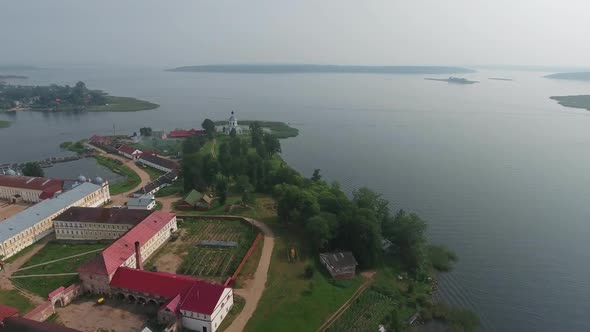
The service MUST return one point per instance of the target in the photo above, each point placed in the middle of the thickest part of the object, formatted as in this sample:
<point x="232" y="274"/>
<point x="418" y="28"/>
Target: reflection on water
<point x="85" y="166"/>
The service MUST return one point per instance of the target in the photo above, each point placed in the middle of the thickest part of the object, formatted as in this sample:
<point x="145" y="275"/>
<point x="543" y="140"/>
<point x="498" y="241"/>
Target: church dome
<point x="11" y="172"/>
<point x="81" y="178"/>
<point x="98" y="180"/>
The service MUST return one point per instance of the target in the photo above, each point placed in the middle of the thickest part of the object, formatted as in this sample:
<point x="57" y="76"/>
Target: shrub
<point x="308" y="272"/>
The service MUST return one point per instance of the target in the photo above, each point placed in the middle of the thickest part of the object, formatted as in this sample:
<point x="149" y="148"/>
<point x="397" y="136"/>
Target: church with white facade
<point x="232" y="124"/>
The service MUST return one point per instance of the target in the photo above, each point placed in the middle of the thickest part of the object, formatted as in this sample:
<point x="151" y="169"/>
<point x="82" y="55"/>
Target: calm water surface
<point x="498" y="169"/>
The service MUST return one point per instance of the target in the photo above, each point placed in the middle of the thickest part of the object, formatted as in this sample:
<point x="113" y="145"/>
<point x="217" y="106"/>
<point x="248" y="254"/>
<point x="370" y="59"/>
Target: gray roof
<point x="44" y="209"/>
<point x="340" y="259"/>
<point x="144" y="200"/>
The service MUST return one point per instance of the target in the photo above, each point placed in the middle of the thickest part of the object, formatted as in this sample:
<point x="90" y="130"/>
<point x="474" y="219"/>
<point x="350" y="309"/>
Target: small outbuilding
<point x="195" y="201"/>
<point x="340" y="265"/>
<point x="142" y="202"/>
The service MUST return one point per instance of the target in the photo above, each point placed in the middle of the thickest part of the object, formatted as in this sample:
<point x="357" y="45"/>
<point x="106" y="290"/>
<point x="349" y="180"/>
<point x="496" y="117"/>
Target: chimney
<point x="137" y="256"/>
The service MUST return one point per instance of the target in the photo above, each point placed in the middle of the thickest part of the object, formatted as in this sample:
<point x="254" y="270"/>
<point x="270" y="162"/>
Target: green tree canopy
<point x="33" y="169"/>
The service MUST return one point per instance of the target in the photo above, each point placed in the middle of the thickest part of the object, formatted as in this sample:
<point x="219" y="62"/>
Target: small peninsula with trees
<point x="579" y="101"/>
<point x="574" y="76"/>
<point x="58" y="98"/>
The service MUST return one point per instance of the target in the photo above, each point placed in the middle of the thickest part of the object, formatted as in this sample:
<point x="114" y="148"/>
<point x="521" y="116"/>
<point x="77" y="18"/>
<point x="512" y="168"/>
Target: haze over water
<point x="498" y="169"/>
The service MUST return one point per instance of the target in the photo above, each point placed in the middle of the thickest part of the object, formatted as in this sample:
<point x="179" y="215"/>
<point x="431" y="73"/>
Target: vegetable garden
<point x="365" y="313"/>
<point x="215" y="262"/>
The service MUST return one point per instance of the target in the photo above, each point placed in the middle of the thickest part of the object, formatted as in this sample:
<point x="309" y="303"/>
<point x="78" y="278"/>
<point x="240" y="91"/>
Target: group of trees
<point x="33" y="169"/>
<point x="145" y="131"/>
<point x="331" y="220"/>
<point x="52" y="95"/>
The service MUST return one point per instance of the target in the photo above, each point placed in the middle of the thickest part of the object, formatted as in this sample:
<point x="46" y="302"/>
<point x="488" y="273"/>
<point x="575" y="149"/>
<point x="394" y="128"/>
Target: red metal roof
<point x="128" y="149"/>
<point x="173" y="305"/>
<point x="185" y="133"/>
<point x="6" y="311"/>
<point x="202" y="297"/>
<point x="196" y="295"/>
<point x="163" y="284"/>
<point x="96" y="139"/>
<point x="56" y="292"/>
<point x="46" y="185"/>
<point x="107" y="262"/>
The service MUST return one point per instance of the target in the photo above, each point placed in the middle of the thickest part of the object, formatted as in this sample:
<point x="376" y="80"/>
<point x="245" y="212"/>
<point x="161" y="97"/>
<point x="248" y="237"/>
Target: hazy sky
<point x="396" y="32"/>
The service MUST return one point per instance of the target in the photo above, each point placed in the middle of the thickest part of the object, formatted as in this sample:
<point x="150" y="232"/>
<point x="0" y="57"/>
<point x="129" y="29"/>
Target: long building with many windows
<point x="28" y="189"/>
<point x="30" y="225"/>
<point x="85" y="223"/>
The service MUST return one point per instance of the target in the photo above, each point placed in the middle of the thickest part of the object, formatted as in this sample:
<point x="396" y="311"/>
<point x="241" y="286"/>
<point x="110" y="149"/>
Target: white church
<point x="232" y="123"/>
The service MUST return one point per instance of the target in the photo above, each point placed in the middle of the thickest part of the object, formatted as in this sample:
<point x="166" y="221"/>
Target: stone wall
<point x="41" y="312"/>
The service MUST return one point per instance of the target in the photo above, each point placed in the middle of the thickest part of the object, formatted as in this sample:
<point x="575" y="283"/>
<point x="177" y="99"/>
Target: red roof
<point x="172" y="305"/>
<point x="96" y="139"/>
<point x="107" y="262"/>
<point x="49" y="187"/>
<point x="162" y="284"/>
<point x="203" y="297"/>
<point x="6" y="311"/>
<point x="196" y="295"/>
<point x="128" y="149"/>
<point x="185" y="133"/>
<point x="56" y="292"/>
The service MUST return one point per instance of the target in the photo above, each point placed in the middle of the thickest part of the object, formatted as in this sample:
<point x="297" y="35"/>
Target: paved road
<point x="121" y="199"/>
<point x="255" y="287"/>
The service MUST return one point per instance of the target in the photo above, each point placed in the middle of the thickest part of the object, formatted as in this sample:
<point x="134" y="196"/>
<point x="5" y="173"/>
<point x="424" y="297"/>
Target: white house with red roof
<point x="29" y="189"/>
<point x="129" y="152"/>
<point x="199" y="305"/>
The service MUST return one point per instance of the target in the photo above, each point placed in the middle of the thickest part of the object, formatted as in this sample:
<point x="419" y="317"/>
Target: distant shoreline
<point x="500" y="79"/>
<point x="314" y="68"/>
<point x="6" y="77"/>
<point x="578" y="101"/>
<point x="574" y="76"/>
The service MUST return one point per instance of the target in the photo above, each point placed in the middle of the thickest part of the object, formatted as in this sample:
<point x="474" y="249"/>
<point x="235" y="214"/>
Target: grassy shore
<point x="580" y="101"/>
<point x="123" y="104"/>
<point x="77" y="147"/>
<point x="279" y="129"/>
<point x="4" y="124"/>
<point x="131" y="182"/>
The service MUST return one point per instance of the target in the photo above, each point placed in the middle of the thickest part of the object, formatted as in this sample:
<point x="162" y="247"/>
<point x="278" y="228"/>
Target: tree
<point x="407" y="232"/>
<point x="145" y="131"/>
<point x="221" y="188"/>
<point x="209" y="127"/>
<point x="316" y="177"/>
<point x="295" y="204"/>
<point x="256" y="134"/>
<point x="271" y="144"/>
<point x="233" y="133"/>
<point x="368" y="199"/>
<point x="33" y="169"/>
<point x="321" y="229"/>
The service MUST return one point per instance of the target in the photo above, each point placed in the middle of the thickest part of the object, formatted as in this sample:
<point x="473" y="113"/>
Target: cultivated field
<point x="365" y="313"/>
<point x="215" y="262"/>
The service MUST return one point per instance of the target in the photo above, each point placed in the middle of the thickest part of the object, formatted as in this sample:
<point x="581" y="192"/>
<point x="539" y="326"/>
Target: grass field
<point x="239" y="303"/>
<point x="123" y="104"/>
<point x="132" y="178"/>
<point x="365" y="313"/>
<point x="4" y="124"/>
<point x="53" y="251"/>
<point x="176" y="188"/>
<point x="165" y="147"/>
<point x="152" y="172"/>
<point x="14" y="299"/>
<point x="279" y="129"/>
<point x="290" y="302"/>
<point x="217" y="263"/>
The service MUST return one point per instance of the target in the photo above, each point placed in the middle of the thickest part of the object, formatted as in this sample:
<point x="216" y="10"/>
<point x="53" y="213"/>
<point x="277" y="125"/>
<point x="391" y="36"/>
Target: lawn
<point x="123" y="104"/>
<point x="215" y="262"/>
<point x="279" y="129"/>
<point x="131" y="182"/>
<point x="176" y="188"/>
<point x="14" y="299"/>
<point x="53" y="251"/>
<point x="290" y="302"/>
<point x="4" y="124"/>
<point x="152" y="172"/>
<point x="167" y="147"/>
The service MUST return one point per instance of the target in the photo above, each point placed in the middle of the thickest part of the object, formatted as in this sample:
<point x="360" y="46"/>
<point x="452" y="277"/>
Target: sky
<point x="380" y="32"/>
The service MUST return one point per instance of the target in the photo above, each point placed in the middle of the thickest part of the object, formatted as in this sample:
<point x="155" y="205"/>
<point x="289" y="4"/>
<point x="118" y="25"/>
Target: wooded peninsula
<point x="579" y="101"/>
<point x="314" y="68"/>
<point x="57" y="98"/>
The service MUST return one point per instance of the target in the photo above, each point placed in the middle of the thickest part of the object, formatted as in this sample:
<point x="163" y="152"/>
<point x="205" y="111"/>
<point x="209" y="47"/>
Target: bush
<point x="308" y="272"/>
<point x="441" y="258"/>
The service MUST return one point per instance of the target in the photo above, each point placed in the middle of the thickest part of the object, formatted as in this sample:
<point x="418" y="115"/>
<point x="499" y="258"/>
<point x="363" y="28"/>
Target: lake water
<point x="499" y="170"/>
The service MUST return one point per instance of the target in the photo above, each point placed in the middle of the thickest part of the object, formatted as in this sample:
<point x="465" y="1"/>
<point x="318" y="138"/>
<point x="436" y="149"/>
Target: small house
<point x="129" y="152"/>
<point x="340" y="265"/>
<point x="195" y="201"/>
<point x="142" y="202"/>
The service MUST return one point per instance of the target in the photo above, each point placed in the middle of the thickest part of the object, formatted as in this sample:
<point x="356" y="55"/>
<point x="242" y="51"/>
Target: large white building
<point x="14" y="188"/>
<point x="30" y="225"/>
<point x="232" y="124"/>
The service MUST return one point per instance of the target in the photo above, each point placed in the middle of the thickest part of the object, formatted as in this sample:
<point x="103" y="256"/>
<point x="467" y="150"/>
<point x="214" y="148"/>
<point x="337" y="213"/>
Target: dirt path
<point x="167" y="202"/>
<point x="122" y="198"/>
<point x="255" y="287"/>
<point x="10" y="268"/>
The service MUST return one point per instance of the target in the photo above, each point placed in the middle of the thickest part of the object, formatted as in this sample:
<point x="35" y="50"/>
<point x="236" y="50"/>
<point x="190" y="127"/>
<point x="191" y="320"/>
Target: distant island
<point x="5" y="77"/>
<point x="454" y="80"/>
<point x="576" y="76"/>
<point x="579" y="101"/>
<point x="314" y="68"/>
<point x="57" y="98"/>
<point x="499" y="79"/>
